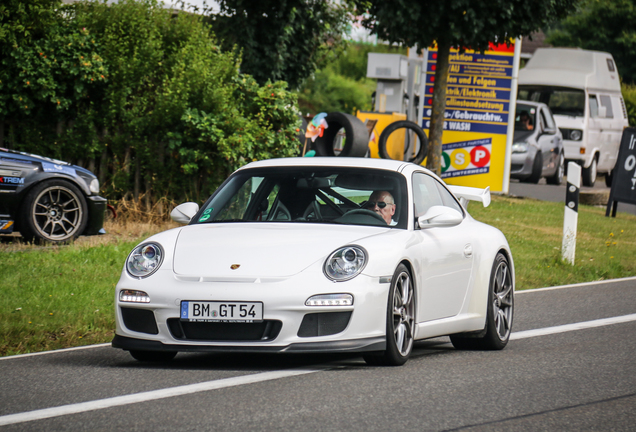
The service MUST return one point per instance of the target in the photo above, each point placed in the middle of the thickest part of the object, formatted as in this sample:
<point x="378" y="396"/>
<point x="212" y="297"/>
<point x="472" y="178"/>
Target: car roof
<point x="405" y="168"/>
<point x="386" y="164"/>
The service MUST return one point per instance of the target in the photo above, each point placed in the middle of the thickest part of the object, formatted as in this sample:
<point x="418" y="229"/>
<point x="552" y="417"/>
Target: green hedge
<point x="629" y="96"/>
<point x="144" y="97"/>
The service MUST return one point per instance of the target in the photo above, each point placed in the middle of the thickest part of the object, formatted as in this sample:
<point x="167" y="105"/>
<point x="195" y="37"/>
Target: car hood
<point x="260" y="250"/>
<point x="32" y="158"/>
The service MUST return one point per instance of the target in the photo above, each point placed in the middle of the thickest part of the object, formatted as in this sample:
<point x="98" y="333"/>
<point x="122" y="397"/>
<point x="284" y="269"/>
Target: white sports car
<point x="308" y="255"/>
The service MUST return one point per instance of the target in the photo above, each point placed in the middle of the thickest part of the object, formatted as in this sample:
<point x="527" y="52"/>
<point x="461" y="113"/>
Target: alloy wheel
<point x="502" y="301"/>
<point x="403" y="313"/>
<point x="57" y="213"/>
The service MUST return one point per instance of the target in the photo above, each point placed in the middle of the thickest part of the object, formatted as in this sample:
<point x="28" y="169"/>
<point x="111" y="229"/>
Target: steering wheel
<point x="365" y="212"/>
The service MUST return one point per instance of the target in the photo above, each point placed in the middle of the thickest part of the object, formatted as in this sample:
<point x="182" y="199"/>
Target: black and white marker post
<point x="571" y="217"/>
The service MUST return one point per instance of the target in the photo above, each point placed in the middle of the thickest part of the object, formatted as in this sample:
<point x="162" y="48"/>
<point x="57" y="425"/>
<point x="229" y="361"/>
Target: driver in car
<point x="383" y="204"/>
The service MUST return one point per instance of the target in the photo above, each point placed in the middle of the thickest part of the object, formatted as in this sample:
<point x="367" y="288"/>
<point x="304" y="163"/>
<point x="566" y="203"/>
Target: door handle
<point x="468" y="250"/>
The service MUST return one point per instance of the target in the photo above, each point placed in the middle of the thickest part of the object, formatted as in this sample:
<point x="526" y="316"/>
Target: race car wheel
<point x="499" y="313"/>
<point x="153" y="356"/>
<point x="400" y="322"/>
<point x="53" y="211"/>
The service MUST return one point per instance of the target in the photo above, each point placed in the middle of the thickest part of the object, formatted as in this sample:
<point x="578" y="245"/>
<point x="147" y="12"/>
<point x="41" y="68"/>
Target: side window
<point x="425" y="193"/>
<point x="429" y="192"/>
<point x="606" y="101"/>
<point x="542" y="120"/>
<point x="549" y="121"/>
<point x="593" y="106"/>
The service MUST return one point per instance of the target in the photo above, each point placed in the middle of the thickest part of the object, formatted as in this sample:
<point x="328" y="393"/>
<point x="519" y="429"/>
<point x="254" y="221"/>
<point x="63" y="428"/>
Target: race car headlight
<point x="330" y="300"/>
<point x="345" y="263"/>
<point x="134" y="296"/>
<point x="94" y="186"/>
<point x="520" y="147"/>
<point x="144" y="260"/>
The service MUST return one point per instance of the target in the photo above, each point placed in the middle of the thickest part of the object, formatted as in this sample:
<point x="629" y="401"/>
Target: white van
<point x="583" y="90"/>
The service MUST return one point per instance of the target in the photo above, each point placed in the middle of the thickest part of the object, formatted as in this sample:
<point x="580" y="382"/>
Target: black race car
<point x="48" y="200"/>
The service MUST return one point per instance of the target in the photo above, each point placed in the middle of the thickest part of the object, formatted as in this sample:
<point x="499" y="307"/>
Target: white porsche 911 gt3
<point x="307" y="255"/>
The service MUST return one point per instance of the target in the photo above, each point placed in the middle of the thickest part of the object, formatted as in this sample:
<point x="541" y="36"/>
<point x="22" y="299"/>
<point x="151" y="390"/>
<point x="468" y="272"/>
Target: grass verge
<point x="63" y="296"/>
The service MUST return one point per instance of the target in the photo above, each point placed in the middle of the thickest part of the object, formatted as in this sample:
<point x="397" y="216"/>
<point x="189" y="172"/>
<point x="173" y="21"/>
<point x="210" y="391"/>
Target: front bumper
<point x="344" y="346"/>
<point x="521" y="164"/>
<point x="295" y="327"/>
<point x="96" y="209"/>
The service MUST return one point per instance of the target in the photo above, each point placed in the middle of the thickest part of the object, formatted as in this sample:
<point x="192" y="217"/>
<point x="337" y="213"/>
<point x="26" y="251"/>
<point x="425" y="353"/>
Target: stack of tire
<point x="357" y="137"/>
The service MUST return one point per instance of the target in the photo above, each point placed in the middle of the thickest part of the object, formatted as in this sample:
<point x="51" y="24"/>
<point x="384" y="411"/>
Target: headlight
<point x="572" y="134"/>
<point x="345" y="263"/>
<point x="94" y="186"/>
<point x="520" y="147"/>
<point x="576" y="135"/>
<point x="144" y="260"/>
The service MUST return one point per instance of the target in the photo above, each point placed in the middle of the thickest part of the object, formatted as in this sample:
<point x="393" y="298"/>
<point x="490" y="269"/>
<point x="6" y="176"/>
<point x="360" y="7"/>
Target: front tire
<point x="589" y="174"/>
<point x="537" y="169"/>
<point x="400" y="321"/>
<point x="499" y="312"/>
<point x="53" y="211"/>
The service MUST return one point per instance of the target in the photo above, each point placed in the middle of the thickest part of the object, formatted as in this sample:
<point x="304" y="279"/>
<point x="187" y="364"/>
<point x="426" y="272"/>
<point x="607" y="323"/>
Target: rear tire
<point x="153" y="356"/>
<point x="588" y="174"/>
<point x="608" y="178"/>
<point x="499" y="314"/>
<point x="400" y="322"/>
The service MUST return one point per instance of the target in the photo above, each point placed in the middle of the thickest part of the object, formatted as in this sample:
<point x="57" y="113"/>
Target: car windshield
<point x="561" y="100"/>
<point x="353" y="196"/>
<point x="525" y="117"/>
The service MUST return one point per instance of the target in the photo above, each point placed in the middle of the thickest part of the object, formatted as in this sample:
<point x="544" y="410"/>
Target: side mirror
<point x="440" y="216"/>
<point x="183" y="213"/>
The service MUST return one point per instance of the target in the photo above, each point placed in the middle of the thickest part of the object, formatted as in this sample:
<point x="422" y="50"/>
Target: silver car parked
<point x="537" y="150"/>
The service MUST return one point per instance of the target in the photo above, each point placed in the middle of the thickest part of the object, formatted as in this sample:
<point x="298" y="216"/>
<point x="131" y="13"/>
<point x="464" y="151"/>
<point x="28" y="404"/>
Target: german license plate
<point x="215" y="311"/>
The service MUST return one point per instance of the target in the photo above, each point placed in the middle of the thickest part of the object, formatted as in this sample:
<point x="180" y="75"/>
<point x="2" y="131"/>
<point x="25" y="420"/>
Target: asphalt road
<point x="546" y="192"/>
<point x="554" y="375"/>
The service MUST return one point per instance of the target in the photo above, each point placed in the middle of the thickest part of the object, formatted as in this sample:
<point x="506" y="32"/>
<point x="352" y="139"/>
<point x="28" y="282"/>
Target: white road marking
<point x="254" y="378"/>
<point x="151" y="395"/>
<point x="571" y="327"/>
<point x="17" y="356"/>
<point x="578" y="285"/>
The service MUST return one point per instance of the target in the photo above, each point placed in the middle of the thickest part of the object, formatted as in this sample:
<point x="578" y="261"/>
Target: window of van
<point x="607" y="103"/>
<point x="593" y="106"/>
<point x="561" y="100"/>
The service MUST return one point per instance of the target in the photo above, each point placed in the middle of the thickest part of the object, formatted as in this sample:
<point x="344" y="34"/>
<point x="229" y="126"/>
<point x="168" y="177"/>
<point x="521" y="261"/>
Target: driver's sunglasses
<point x="371" y="204"/>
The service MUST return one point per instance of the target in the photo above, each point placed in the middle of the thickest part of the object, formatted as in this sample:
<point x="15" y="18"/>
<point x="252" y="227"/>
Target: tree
<point x="455" y="24"/>
<point x="145" y="98"/>
<point x="281" y="39"/>
<point x="602" y="25"/>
